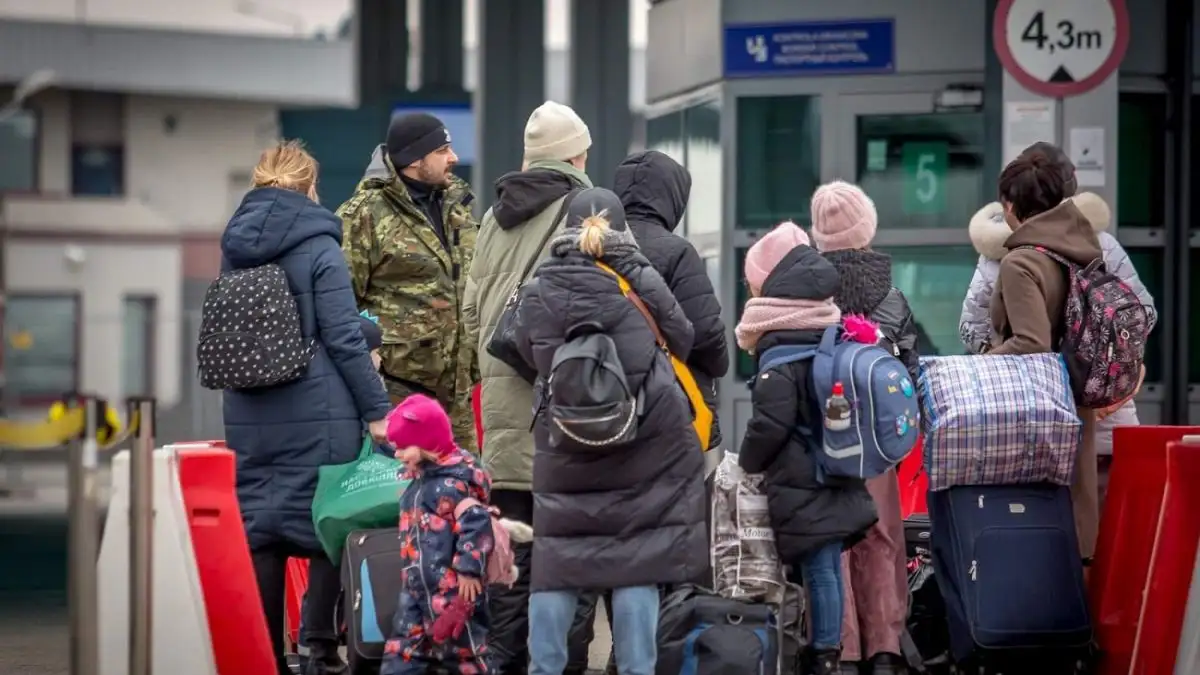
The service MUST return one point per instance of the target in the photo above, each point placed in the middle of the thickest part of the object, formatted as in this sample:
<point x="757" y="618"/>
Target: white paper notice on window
<point x="1086" y="149"/>
<point x="1026" y="123"/>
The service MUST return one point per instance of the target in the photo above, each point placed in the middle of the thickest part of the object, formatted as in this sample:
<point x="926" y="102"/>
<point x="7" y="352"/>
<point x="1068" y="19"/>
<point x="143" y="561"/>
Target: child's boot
<point x="323" y="658"/>
<point x="824" y="662"/>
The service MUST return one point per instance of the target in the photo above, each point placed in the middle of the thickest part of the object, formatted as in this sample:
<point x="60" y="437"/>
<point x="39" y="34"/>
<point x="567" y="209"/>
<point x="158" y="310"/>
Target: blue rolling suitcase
<point x="1007" y="563"/>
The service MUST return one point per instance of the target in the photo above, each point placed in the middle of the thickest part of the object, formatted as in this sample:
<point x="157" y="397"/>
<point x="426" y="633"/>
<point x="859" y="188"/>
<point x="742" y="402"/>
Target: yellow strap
<point x="621" y="282"/>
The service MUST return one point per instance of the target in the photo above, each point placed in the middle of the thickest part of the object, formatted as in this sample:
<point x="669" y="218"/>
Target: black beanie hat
<point x="411" y="137"/>
<point x="594" y="200"/>
<point x="371" y="332"/>
<point x="1062" y="163"/>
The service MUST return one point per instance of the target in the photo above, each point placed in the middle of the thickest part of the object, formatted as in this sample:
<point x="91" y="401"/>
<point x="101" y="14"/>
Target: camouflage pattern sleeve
<point x="359" y="244"/>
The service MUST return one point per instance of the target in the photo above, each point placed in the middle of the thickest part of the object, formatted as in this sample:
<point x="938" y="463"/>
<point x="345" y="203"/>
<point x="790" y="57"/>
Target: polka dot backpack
<point x="250" y="334"/>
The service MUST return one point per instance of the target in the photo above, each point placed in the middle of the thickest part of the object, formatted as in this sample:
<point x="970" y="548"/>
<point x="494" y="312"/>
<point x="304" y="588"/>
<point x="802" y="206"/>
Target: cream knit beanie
<point x="554" y="131"/>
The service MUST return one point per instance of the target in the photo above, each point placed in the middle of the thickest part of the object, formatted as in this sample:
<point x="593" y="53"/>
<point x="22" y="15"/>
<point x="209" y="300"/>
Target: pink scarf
<point x="763" y="315"/>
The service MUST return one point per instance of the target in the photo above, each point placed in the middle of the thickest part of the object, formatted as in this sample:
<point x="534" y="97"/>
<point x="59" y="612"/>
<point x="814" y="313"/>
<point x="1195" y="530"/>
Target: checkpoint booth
<point x="921" y="104"/>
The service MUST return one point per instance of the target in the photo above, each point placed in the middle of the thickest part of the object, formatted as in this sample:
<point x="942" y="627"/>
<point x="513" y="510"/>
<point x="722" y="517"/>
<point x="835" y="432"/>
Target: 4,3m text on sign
<point x="1061" y="48"/>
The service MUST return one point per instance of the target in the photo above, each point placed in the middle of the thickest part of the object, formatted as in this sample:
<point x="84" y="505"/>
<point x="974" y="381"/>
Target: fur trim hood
<point x="988" y="230"/>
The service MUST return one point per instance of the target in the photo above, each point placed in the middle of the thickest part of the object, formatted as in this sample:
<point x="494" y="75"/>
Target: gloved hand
<point x="450" y="624"/>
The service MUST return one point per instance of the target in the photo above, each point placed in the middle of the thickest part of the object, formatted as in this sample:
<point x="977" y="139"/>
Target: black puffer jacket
<point x="866" y="289"/>
<point x="631" y="515"/>
<point x="654" y="190"/>
<point x="804" y="513"/>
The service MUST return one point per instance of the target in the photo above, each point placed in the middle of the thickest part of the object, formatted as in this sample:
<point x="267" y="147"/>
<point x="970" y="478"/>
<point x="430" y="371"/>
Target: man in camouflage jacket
<point x="409" y="237"/>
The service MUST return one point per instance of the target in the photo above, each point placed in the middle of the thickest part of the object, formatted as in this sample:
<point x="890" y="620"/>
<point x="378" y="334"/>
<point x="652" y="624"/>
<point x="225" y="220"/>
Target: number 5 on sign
<point x="924" y="177"/>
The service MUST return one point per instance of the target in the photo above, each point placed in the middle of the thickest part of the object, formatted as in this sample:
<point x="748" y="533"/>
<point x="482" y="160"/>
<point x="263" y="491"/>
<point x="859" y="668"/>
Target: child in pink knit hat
<point x="445" y="539"/>
<point x="792" y="306"/>
<point x="874" y="577"/>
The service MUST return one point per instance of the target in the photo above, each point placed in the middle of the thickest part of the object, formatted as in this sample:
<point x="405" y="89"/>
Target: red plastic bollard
<point x="1171" y="565"/>
<point x="477" y="405"/>
<point x="914" y="482"/>
<point x="297" y="586"/>
<point x="237" y="624"/>
<point x="1121" y="565"/>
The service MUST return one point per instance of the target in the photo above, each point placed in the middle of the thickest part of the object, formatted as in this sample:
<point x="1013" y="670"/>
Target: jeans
<point x="634" y="623"/>
<point x="324" y="585"/>
<point x="821" y="571"/>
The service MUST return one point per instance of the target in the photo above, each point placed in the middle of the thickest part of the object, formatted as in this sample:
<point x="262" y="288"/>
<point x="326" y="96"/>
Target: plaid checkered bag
<point x="998" y="420"/>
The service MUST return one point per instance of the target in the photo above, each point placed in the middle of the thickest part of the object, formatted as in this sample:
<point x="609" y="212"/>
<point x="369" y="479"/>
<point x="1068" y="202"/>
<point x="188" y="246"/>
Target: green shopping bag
<point x="361" y="495"/>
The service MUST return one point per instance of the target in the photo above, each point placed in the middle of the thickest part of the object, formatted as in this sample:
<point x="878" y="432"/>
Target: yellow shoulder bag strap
<point x="702" y="418"/>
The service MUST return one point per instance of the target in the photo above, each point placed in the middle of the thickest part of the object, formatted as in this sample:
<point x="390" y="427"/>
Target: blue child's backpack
<point x="884" y="417"/>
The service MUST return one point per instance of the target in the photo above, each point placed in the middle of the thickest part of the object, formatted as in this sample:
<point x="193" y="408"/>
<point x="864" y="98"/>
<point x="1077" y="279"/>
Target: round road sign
<point x="1060" y="48"/>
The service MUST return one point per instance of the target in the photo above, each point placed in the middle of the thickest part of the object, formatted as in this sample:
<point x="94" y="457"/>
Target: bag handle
<point x="562" y="213"/>
<point x="368" y="446"/>
<point x="629" y="293"/>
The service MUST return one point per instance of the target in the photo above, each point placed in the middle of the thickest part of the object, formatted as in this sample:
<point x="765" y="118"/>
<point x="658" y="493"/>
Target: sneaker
<point x="888" y="664"/>
<point x="824" y="662"/>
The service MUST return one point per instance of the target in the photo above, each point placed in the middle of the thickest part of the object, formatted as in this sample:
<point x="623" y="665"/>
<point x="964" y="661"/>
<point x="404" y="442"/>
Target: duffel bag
<point x="701" y="633"/>
<point x="998" y="420"/>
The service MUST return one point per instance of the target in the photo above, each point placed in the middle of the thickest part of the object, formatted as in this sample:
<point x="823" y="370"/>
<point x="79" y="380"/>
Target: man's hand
<point x="378" y="430"/>
<point x="469" y="588"/>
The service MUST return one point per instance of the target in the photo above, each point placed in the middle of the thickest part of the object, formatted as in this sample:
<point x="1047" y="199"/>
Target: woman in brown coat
<point x="1031" y="293"/>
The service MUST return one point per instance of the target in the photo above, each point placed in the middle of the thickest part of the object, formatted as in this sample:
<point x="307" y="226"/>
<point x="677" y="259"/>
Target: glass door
<point x="924" y="170"/>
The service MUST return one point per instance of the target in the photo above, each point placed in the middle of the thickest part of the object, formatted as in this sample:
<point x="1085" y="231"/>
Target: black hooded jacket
<point x="866" y="289"/>
<point x="627" y="515"/>
<point x="654" y="190"/>
<point x="522" y="195"/>
<point x="805" y="514"/>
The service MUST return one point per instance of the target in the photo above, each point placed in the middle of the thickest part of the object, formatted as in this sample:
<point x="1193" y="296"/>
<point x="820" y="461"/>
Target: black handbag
<point x="502" y="344"/>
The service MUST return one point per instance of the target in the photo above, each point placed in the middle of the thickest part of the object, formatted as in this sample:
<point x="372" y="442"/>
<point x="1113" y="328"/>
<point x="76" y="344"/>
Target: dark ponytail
<point x="1031" y="184"/>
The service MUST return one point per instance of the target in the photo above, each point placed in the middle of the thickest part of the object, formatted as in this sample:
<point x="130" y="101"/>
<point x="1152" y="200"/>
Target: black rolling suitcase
<point x="371" y="584"/>
<point x="1007" y="564"/>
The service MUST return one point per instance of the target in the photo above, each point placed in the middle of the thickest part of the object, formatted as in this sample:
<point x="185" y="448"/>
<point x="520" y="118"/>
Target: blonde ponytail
<point x="591" y="236"/>
<point x="287" y="165"/>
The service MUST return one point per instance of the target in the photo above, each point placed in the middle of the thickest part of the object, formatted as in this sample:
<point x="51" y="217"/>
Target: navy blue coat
<point x="281" y="435"/>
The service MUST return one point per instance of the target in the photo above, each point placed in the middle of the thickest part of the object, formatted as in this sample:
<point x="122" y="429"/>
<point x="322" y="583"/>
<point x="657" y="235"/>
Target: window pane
<point x="97" y="170"/>
<point x="18" y="148"/>
<point x="41" y="345"/>
<point x="137" y="346"/>
<point x="703" y="127"/>
<point x="923" y="170"/>
<point x="665" y="134"/>
<point x="778" y="160"/>
<point x="1141" y="137"/>
<point x="1149" y="265"/>
<point x="935" y="281"/>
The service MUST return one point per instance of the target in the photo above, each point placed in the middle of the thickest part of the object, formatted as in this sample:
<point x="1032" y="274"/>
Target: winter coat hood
<point x="653" y="187"/>
<point x="522" y="195"/>
<point x="1064" y="230"/>
<point x="271" y="222"/>
<point x="989" y="231"/>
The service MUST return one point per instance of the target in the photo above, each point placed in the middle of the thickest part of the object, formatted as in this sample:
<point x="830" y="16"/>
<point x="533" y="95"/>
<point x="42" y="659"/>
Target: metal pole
<point x="84" y="545"/>
<point x="141" y="545"/>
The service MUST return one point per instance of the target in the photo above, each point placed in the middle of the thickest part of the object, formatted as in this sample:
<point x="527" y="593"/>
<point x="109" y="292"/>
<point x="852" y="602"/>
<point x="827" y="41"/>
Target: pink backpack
<point x="501" y="563"/>
<point x="1106" y="327"/>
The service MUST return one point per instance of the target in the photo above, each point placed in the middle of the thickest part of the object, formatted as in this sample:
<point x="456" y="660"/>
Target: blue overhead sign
<point x="811" y="48"/>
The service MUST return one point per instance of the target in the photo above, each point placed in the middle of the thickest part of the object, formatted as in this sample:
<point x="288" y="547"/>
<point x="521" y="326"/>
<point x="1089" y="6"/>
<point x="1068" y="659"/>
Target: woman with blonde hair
<point x="625" y="514"/>
<point x="283" y="434"/>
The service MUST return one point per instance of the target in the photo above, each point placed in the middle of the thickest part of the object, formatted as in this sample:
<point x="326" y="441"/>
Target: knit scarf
<point x="763" y="315"/>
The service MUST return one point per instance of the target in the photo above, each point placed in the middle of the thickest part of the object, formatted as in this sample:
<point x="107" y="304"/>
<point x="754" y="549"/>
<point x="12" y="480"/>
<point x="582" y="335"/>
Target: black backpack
<point x="250" y="334"/>
<point x="589" y="403"/>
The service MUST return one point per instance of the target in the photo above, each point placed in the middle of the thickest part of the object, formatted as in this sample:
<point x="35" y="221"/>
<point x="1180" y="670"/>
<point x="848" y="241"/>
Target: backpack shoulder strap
<point x="464" y="505"/>
<point x="783" y="355"/>
<point x="1049" y="254"/>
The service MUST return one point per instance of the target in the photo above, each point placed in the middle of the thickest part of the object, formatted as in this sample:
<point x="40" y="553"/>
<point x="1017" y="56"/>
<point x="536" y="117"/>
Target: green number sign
<point x="924" y="177"/>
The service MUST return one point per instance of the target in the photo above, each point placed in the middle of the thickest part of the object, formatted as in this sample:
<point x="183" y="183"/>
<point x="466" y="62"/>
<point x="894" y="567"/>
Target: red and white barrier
<point x="207" y="618"/>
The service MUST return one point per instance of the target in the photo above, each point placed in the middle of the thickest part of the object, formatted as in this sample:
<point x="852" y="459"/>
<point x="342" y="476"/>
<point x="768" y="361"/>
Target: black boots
<point x="323" y="658"/>
<point x="823" y="662"/>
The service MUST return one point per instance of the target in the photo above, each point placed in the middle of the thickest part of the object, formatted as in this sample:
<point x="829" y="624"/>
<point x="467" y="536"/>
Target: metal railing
<point x="79" y="427"/>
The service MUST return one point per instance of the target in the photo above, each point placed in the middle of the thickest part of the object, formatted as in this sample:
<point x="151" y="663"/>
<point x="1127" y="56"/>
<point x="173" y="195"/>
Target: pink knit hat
<point x="420" y="421"/>
<point x="843" y="217"/>
<point x="766" y="253"/>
